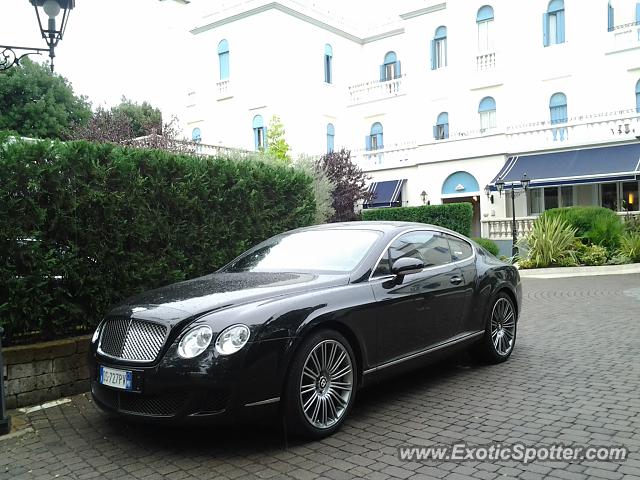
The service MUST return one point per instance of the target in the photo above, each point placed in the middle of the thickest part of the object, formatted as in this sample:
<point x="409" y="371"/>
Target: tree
<point x="277" y="146"/>
<point x="350" y="184"/>
<point x="37" y="103"/>
<point x="144" y="118"/>
<point x="323" y="187"/>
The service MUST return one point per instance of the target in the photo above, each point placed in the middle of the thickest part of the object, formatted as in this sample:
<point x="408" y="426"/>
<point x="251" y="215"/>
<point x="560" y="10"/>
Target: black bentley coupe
<point x="300" y="322"/>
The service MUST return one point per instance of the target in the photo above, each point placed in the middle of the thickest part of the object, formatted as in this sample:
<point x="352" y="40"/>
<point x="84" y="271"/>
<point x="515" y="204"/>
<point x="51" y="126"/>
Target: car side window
<point x="460" y="250"/>
<point x="430" y="247"/>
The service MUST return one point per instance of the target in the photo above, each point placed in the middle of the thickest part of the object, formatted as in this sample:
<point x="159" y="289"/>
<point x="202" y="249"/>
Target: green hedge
<point x="85" y="225"/>
<point x="454" y="216"/>
<point x="489" y="245"/>
<point x="595" y="225"/>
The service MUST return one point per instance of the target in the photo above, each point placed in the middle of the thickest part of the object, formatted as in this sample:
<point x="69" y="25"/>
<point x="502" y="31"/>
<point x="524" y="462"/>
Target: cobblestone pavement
<point x="574" y="378"/>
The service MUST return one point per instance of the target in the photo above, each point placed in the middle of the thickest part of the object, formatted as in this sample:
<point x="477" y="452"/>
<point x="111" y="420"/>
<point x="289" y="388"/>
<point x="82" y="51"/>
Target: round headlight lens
<point x="195" y="341"/>
<point x="232" y="339"/>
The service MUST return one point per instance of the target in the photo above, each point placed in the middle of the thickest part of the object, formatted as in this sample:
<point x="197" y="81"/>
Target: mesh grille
<point x="131" y="339"/>
<point x="165" y="405"/>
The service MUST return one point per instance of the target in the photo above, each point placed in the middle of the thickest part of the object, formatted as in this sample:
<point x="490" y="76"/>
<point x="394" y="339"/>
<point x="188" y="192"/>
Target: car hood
<point x="220" y="291"/>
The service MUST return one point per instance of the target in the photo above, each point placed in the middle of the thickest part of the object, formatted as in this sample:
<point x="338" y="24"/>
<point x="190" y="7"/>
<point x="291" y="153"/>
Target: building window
<point x="610" y="21"/>
<point x="374" y="140"/>
<point x="558" y="108"/>
<point x="609" y="196"/>
<point x="223" y="58"/>
<point x="196" y="135"/>
<point x="390" y="69"/>
<point x="259" y="133"/>
<point x="484" y="19"/>
<point x="630" y="196"/>
<point x="638" y="96"/>
<point x="439" y="49"/>
<point x="328" y="58"/>
<point x="541" y="199"/>
<point x="441" y="128"/>
<point x="331" y="133"/>
<point x="487" y="111"/>
<point x="553" y="23"/>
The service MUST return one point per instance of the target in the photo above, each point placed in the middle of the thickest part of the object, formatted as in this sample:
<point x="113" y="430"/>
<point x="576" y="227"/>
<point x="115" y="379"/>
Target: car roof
<point x="383" y="225"/>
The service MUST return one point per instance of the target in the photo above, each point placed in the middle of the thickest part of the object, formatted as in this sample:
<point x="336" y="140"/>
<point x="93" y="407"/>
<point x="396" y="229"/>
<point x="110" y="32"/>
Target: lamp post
<point x="423" y="195"/>
<point x="5" y="420"/>
<point x="51" y="32"/>
<point x="500" y="185"/>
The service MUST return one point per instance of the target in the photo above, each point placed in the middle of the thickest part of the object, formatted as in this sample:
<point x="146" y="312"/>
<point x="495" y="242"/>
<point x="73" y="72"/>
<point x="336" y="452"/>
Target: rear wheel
<point x="499" y="336"/>
<point x="320" y="386"/>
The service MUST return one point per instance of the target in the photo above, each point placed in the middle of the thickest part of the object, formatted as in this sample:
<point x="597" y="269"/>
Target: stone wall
<point x="45" y="371"/>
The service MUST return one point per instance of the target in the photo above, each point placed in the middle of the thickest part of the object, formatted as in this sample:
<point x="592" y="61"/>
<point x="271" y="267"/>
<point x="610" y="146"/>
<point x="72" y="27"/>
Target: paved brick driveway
<point x="574" y="378"/>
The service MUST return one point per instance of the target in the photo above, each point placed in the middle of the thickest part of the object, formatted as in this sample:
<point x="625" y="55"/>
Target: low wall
<point x="45" y="371"/>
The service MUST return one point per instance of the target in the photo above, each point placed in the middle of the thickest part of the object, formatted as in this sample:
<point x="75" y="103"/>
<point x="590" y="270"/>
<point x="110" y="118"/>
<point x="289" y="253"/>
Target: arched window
<point x="374" y="140"/>
<point x="638" y="96"/>
<point x="610" y="19"/>
<point x="439" y="48"/>
<point x="331" y="133"/>
<point x="558" y="108"/>
<point x="223" y="58"/>
<point x="441" y="128"/>
<point x="390" y="69"/>
<point x="484" y="19"/>
<point x="553" y="23"/>
<point x="196" y="135"/>
<point x="487" y="111"/>
<point x="259" y="132"/>
<point x="328" y="58"/>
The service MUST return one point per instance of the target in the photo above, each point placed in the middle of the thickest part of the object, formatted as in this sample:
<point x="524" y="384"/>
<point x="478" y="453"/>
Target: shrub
<point x="454" y="216"/>
<point x="630" y="246"/>
<point x="594" y="225"/>
<point x="550" y="242"/>
<point x="592" y="255"/>
<point x="85" y="225"/>
<point x="489" y="245"/>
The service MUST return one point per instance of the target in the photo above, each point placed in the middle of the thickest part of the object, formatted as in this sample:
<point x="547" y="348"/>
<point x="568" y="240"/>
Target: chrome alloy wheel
<point x="326" y="384"/>
<point x="503" y="326"/>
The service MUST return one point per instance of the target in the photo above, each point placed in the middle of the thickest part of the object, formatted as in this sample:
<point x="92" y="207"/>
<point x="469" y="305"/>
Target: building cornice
<point x="301" y="16"/>
<point x="423" y="11"/>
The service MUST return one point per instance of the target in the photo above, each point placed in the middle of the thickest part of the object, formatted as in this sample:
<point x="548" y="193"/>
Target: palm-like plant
<point x="550" y="242"/>
<point x="630" y="245"/>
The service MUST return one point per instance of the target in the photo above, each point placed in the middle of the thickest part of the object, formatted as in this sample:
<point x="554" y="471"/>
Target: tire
<point x="499" y="337"/>
<point x="319" y="393"/>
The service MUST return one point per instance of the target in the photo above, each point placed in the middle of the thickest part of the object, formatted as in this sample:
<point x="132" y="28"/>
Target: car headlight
<point x="96" y="334"/>
<point x="195" y="341"/>
<point x="232" y="339"/>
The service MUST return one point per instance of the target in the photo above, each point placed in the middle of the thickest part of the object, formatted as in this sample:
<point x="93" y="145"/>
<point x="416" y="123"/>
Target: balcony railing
<point x="223" y="88"/>
<point x="376" y="90"/>
<point x="392" y="156"/>
<point x="486" y="62"/>
<point x="626" y="36"/>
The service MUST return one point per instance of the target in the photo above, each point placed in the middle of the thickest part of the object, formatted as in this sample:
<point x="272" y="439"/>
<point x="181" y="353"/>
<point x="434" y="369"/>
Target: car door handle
<point x="456" y="280"/>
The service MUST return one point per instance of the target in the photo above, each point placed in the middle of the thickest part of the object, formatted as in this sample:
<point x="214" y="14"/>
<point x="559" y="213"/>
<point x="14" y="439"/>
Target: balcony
<point x="393" y="156"/>
<point x="486" y="62"/>
<point x="223" y="89"/>
<point x="376" y="90"/>
<point x="625" y="37"/>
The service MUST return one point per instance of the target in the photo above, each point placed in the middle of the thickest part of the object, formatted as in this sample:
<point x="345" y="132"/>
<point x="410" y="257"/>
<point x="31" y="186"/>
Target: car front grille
<point x="162" y="405"/>
<point x="132" y="339"/>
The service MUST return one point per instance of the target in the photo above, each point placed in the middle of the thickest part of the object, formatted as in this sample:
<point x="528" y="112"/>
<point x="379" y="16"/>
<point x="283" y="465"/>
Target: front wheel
<point x="320" y="386"/>
<point x="500" y="332"/>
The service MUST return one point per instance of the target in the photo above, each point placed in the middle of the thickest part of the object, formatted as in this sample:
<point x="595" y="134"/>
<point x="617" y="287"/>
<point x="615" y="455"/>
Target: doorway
<point x="475" y="203"/>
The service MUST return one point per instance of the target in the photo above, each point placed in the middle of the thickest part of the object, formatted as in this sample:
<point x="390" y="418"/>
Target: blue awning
<point x="588" y="165"/>
<point x="385" y="194"/>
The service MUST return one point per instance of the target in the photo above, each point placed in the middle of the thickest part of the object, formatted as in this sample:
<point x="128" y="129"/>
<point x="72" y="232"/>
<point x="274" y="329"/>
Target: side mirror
<point x="407" y="266"/>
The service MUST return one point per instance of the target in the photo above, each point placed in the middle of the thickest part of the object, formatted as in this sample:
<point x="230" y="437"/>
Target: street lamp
<point x="525" y="181"/>
<point x="423" y="195"/>
<point x="52" y="33"/>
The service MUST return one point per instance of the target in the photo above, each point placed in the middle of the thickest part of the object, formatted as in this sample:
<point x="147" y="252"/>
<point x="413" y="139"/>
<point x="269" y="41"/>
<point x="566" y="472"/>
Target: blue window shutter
<point x="380" y="145"/>
<point x="610" y="22"/>
<point x="638" y="12"/>
<point x="435" y="132"/>
<point x="224" y="65"/>
<point x="383" y="73"/>
<point x="446" y="130"/>
<point x="398" y="72"/>
<point x="367" y="142"/>
<point x="255" y="138"/>
<point x="264" y="136"/>
<point x="433" y="55"/>
<point x="560" y="17"/>
<point x="545" y="29"/>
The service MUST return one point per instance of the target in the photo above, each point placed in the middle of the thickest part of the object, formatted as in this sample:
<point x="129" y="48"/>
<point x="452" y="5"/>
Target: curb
<point x="560" y="272"/>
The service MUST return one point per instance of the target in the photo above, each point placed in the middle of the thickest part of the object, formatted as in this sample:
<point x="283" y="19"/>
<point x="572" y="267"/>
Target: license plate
<point x="112" y="377"/>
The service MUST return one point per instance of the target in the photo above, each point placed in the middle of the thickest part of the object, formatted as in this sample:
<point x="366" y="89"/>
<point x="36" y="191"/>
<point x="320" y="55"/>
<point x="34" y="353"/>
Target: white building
<point x="439" y="96"/>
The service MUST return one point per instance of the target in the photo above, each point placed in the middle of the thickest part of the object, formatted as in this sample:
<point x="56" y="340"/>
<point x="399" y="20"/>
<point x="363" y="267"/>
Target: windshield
<point x="312" y="250"/>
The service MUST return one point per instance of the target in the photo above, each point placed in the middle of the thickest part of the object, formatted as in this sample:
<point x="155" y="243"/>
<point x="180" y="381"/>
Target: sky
<point x="134" y="48"/>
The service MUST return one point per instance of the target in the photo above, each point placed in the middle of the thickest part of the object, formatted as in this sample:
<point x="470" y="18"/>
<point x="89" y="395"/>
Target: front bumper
<point x="208" y="389"/>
